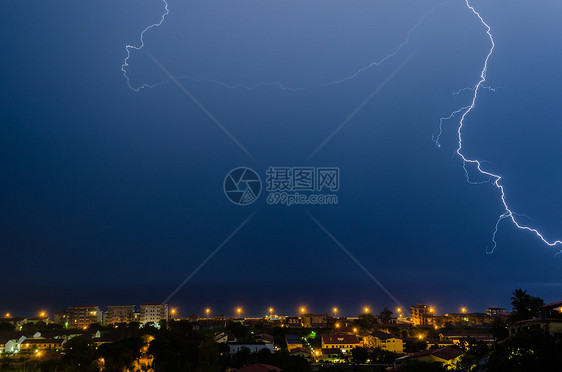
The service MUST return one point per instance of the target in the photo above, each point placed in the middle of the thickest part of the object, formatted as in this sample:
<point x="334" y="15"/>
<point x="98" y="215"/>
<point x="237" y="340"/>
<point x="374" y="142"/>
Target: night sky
<point x="108" y="196"/>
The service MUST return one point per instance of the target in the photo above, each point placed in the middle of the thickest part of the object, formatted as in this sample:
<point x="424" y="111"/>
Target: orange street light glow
<point x="271" y="310"/>
<point x="463" y="309"/>
<point x="335" y="310"/>
<point x="366" y="309"/>
<point x="303" y="309"/>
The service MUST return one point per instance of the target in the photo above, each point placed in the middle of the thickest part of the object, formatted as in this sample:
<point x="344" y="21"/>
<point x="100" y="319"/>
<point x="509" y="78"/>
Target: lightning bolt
<point x="507" y="213"/>
<point x="138" y="48"/>
<point x="275" y="84"/>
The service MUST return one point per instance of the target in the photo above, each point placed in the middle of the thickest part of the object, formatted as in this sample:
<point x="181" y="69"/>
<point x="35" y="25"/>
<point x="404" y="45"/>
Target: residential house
<point x="342" y="341"/>
<point x="385" y="341"/>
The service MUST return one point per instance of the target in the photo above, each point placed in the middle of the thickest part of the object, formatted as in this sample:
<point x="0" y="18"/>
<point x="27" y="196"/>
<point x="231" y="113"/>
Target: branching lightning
<point x="507" y="213"/>
<point x="275" y="84"/>
<point x="129" y="47"/>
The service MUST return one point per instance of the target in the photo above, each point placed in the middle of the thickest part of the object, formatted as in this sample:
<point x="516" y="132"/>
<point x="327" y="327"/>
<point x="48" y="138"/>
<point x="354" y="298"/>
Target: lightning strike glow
<point x="138" y="48"/>
<point x="508" y="213"/>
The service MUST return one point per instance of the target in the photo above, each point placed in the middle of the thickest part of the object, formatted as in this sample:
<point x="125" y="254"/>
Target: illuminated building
<point x="83" y="316"/>
<point x="153" y="313"/>
<point x="120" y="314"/>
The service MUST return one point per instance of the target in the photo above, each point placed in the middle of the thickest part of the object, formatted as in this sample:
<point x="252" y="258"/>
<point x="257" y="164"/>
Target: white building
<point x="153" y="313"/>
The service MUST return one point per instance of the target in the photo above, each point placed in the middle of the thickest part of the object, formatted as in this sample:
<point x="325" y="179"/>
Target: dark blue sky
<point x="110" y="196"/>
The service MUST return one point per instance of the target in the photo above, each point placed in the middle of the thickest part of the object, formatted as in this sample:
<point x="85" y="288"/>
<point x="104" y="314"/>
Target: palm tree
<point x="524" y="305"/>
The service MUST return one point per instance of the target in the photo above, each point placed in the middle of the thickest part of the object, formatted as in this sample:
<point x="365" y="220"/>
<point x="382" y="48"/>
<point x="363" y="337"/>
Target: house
<point x="495" y="311"/>
<point x="293" y="341"/>
<point x="342" y="341"/>
<point x="447" y="356"/>
<point x="550" y="320"/>
<point x="331" y="355"/>
<point x="301" y="351"/>
<point x="224" y="337"/>
<point x="10" y="342"/>
<point x="264" y="337"/>
<point x="385" y="341"/>
<point x="314" y="320"/>
<point x="457" y="337"/>
<point x="42" y="344"/>
<point x="293" y="321"/>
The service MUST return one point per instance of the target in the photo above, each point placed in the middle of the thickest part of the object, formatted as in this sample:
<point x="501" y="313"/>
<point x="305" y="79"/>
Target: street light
<point x="42" y="314"/>
<point x="303" y="310"/>
<point x="366" y="310"/>
<point x="463" y="310"/>
<point x="335" y="310"/>
<point x="431" y="310"/>
<point x="8" y="315"/>
<point x="239" y="310"/>
<point x="270" y="311"/>
<point x="207" y="311"/>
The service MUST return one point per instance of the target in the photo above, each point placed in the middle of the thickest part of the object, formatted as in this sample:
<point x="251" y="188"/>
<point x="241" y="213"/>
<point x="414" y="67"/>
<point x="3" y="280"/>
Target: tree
<point x="531" y="350"/>
<point x="7" y="327"/>
<point x="209" y="356"/>
<point x="121" y="354"/>
<point x="524" y="305"/>
<point x="475" y="351"/>
<point x="498" y="329"/>
<point x="367" y="321"/>
<point x="359" y="355"/>
<point x="385" y="315"/>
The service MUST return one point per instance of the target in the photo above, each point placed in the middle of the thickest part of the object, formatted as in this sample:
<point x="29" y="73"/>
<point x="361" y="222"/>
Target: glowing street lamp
<point x="8" y="315"/>
<point x="42" y="314"/>
<point x="207" y="311"/>
<point x="303" y="310"/>
<point x="399" y="311"/>
<point x="366" y="310"/>
<point x="270" y="311"/>
<point x="239" y="311"/>
<point x="463" y="310"/>
<point x="431" y="310"/>
<point x="335" y="310"/>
